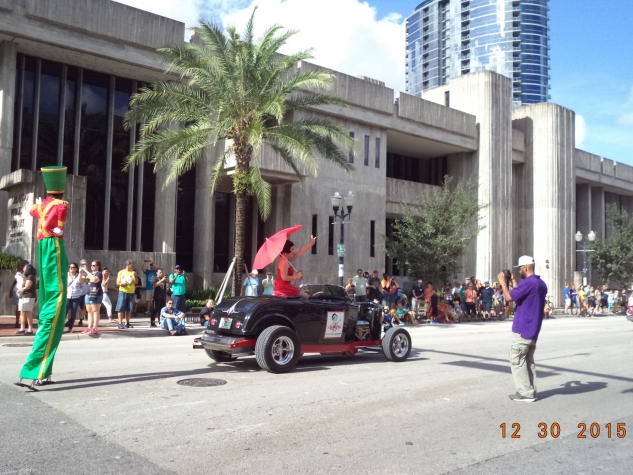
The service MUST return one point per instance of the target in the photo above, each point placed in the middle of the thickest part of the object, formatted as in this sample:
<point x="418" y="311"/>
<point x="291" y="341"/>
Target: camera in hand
<point x="508" y="276"/>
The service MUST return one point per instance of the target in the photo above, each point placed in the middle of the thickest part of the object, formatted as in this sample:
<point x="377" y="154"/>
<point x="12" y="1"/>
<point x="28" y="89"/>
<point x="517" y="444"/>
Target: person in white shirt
<point x="250" y="285"/>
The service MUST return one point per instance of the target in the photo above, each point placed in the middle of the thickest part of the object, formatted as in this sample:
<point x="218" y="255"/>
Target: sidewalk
<point x="140" y="323"/>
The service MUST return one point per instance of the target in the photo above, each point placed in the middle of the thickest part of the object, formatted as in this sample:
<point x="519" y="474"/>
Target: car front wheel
<point x="277" y="349"/>
<point x="220" y="356"/>
<point x="396" y="344"/>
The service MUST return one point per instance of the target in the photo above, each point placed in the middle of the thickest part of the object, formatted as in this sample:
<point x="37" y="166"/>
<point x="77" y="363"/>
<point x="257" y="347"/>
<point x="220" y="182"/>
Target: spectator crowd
<point x="164" y="296"/>
<point x="87" y="290"/>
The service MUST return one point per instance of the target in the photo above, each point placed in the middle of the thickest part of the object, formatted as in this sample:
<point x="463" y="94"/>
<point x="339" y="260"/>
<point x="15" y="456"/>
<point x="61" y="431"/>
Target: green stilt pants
<point x="52" y="263"/>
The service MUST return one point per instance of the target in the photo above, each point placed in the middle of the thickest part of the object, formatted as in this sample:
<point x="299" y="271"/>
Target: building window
<point x="330" y="236"/>
<point x="430" y="171"/>
<point x="377" y="152"/>
<point x="366" y="160"/>
<point x="74" y="117"/>
<point x="351" y="154"/>
<point x="314" y="231"/>
<point x="372" y="239"/>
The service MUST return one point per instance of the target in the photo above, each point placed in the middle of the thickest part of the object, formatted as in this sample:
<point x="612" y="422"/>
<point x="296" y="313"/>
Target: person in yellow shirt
<point x="125" y="303"/>
<point x="582" y="301"/>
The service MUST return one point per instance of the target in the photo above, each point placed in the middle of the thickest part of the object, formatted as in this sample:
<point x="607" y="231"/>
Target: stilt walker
<point x="52" y="265"/>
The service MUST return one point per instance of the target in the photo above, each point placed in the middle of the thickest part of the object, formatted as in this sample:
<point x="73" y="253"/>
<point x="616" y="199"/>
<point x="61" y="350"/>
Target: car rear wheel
<point x="396" y="344"/>
<point x="277" y="349"/>
<point x="219" y="356"/>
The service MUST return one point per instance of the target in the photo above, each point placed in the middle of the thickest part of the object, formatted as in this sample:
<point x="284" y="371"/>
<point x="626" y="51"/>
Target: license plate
<point x="225" y="323"/>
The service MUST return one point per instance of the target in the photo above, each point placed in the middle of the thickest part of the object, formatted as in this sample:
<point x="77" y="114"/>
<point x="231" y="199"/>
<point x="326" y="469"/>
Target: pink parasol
<point x="272" y="247"/>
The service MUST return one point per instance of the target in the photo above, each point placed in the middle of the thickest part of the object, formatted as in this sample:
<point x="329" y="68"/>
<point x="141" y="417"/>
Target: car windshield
<point x="317" y="291"/>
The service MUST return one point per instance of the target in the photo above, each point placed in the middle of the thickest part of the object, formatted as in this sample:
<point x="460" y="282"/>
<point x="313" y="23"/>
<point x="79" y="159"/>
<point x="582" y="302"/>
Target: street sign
<point x="340" y="250"/>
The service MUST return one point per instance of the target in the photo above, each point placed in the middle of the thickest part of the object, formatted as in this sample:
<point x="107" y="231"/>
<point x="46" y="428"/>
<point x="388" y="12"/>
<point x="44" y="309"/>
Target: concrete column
<point x="165" y="213"/>
<point x="610" y="199"/>
<point x="551" y="147"/>
<point x="487" y="95"/>
<point x="8" y="59"/>
<point x="583" y="218"/>
<point x="204" y="224"/>
<point x="598" y="211"/>
<point x="461" y="166"/>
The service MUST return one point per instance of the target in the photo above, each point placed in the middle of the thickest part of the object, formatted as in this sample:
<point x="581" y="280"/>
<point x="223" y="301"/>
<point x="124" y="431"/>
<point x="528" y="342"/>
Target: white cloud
<point x="581" y="130"/>
<point x="345" y="34"/>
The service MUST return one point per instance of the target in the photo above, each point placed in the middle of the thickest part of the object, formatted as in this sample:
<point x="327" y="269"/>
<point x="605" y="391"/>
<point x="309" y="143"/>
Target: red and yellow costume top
<point x="50" y="213"/>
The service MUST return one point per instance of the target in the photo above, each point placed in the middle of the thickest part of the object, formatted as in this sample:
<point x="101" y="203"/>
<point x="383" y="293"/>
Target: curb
<point x="128" y="333"/>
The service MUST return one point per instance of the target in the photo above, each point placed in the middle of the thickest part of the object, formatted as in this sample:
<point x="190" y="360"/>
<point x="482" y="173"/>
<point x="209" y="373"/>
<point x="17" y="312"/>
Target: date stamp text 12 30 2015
<point x="585" y="430"/>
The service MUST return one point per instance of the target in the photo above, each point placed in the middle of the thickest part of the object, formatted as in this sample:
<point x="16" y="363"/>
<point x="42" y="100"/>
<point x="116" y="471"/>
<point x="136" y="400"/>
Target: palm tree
<point x="238" y="89"/>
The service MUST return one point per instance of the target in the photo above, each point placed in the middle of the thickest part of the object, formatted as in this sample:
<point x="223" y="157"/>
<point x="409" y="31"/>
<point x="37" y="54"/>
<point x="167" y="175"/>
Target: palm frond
<point x="261" y="188"/>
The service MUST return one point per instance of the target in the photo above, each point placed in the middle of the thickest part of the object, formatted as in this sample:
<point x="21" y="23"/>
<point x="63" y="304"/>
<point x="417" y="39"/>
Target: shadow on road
<point x="242" y="365"/>
<point x="554" y="368"/>
<point x="495" y="367"/>
<point x="573" y="387"/>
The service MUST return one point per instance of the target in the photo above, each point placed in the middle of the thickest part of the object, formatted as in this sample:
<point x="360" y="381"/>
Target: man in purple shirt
<point x="529" y="296"/>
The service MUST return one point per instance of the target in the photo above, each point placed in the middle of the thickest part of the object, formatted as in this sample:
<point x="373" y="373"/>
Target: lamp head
<point x="336" y="201"/>
<point x="350" y="200"/>
<point x="591" y="236"/>
<point x="578" y="236"/>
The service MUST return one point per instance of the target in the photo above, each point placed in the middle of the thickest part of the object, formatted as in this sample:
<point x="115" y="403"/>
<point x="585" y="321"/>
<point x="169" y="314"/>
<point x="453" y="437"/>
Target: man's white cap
<point x="254" y="272"/>
<point x="525" y="261"/>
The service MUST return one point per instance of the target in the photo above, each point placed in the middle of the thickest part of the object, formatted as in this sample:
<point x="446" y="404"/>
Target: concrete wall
<point x="401" y="193"/>
<point x="553" y="190"/>
<point x="487" y="96"/>
<point x="8" y="55"/>
<point x="102" y="35"/>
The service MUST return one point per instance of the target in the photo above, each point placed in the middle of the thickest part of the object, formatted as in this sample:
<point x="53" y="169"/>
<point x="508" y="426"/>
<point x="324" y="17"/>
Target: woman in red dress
<point x="286" y="277"/>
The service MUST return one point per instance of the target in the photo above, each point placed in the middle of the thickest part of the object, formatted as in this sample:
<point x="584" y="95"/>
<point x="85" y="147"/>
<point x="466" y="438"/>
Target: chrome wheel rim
<point x="283" y="349"/>
<point x="400" y="345"/>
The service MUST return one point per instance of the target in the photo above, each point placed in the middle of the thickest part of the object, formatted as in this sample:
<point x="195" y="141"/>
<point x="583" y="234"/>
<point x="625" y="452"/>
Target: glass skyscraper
<point x="448" y="38"/>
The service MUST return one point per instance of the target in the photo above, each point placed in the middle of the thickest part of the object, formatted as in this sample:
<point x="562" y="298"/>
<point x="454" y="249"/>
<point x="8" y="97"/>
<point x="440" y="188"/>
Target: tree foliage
<point x="237" y="88"/>
<point x="613" y="257"/>
<point x="429" y="240"/>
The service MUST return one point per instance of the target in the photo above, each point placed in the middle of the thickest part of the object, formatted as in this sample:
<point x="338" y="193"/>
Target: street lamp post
<point x="591" y="237"/>
<point x="349" y="201"/>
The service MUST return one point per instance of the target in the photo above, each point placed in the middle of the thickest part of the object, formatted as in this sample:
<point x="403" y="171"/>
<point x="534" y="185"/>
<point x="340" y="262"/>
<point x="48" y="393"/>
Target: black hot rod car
<point x="279" y="330"/>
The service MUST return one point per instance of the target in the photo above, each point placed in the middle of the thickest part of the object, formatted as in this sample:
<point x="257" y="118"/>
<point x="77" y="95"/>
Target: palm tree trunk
<point x="241" y="200"/>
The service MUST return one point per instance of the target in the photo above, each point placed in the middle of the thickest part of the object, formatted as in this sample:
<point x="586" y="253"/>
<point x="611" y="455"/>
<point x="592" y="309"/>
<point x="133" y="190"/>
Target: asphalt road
<point x="118" y="410"/>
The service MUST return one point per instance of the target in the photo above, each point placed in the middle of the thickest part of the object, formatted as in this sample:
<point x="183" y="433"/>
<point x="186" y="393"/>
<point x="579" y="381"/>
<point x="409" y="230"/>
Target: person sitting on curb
<point x="172" y="319"/>
<point x="206" y="312"/>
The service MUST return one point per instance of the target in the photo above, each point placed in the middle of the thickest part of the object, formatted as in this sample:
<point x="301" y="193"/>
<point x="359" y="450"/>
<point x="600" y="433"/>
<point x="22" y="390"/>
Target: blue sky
<point x="591" y="67"/>
<point x="591" y="59"/>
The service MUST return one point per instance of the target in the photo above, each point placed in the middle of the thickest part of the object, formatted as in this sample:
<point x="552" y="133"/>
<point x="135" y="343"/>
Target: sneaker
<point x="127" y="325"/>
<point x="121" y="326"/>
<point x="29" y="332"/>
<point x="152" y="324"/>
<point x="81" y="323"/>
<point x="20" y="332"/>
<point x="86" y="331"/>
<point x="172" y="332"/>
<point x="433" y="323"/>
<point x="518" y="398"/>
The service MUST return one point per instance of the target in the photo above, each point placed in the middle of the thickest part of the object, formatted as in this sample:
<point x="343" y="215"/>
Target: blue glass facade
<point x="448" y="38"/>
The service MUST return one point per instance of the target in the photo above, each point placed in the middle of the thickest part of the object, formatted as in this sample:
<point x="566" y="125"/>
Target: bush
<point x="195" y="303"/>
<point x="208" y="293"/>
<point x="9" y="261"/>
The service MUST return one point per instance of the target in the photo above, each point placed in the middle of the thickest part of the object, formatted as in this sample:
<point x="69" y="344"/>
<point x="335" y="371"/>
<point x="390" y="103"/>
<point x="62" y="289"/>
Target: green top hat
<point x="54" y="179"/>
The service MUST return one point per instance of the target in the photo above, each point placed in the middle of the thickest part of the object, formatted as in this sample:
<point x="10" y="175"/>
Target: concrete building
<point x="66" y="76"/>
<point x="449" y="38"/>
